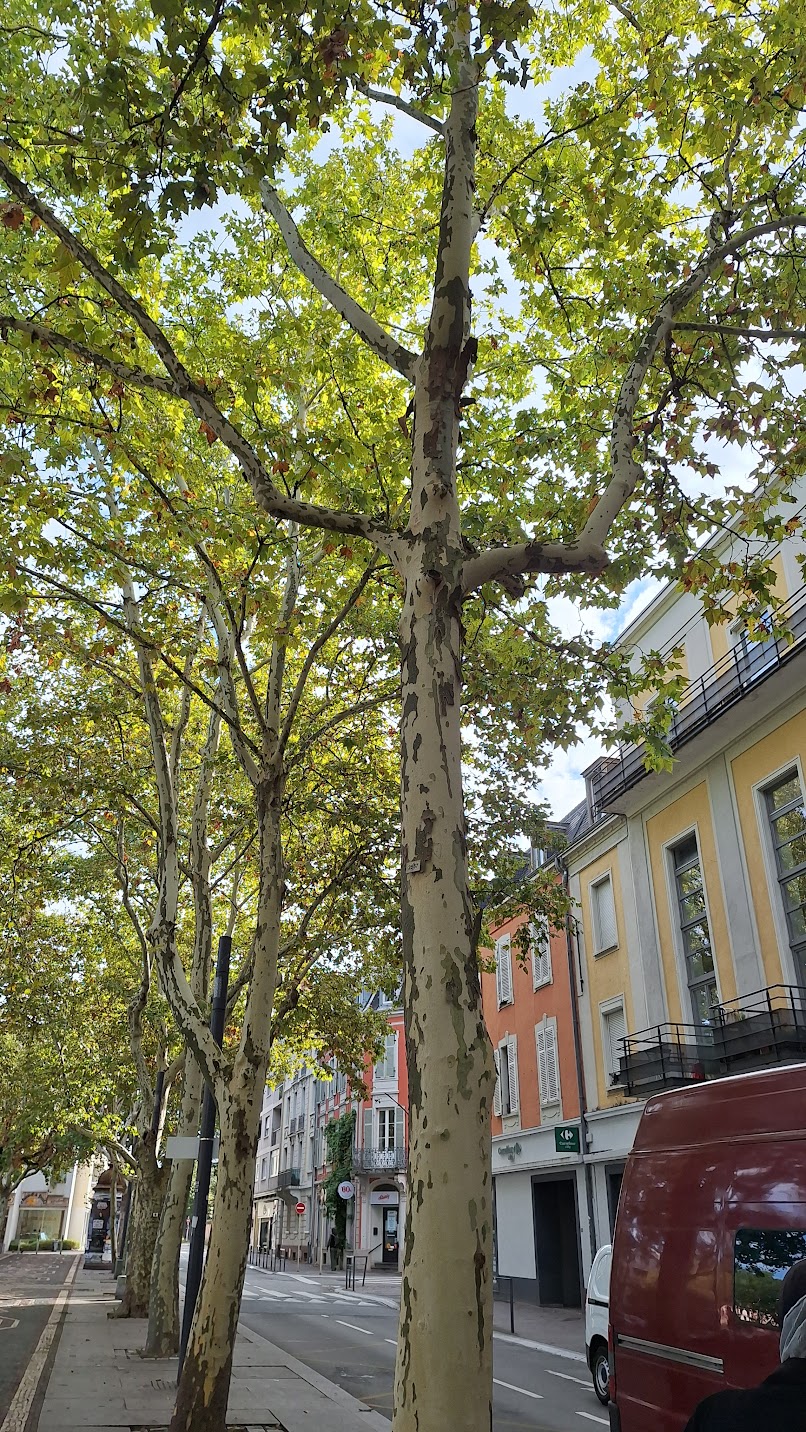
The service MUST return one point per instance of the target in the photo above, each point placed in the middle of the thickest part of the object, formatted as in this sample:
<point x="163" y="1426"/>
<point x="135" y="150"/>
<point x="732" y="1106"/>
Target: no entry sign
<point x="300" y="1208"/>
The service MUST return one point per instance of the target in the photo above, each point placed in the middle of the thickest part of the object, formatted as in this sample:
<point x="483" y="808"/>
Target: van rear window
<point x="762" y="1258"/>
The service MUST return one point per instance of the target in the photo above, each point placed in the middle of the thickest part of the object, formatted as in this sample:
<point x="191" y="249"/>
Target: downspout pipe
<point x="580" y="1068"/>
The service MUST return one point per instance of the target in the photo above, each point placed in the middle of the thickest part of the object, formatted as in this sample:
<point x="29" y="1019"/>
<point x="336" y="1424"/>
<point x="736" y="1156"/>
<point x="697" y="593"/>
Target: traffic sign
<point x="566" y="1139"/>
<point x="300" y="1207"/>
<point x="346" y="1189"/>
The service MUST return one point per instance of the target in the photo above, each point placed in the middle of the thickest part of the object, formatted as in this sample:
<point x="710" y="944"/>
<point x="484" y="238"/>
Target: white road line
<point x="541" y="1347"/>
<point x="17" y="1414"/>
<point x="590" y="1416"/>
<point x="568" y="1377"/>
<point x="393" y="1341"/>
<point x="354" y="1327"/>
<point x="538" y="1396"/>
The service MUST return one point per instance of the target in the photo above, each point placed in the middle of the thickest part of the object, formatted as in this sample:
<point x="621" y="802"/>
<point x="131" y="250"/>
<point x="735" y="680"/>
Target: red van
<point x="711" y="1215"/>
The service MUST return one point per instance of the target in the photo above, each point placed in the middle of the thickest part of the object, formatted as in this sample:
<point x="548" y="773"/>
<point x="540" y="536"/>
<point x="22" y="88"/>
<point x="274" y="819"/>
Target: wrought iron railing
<point x="748" y="1032"/>
<point x="703" y="701"/>
<point x="371" y="1160"/>
<point x="288" y="1178"/>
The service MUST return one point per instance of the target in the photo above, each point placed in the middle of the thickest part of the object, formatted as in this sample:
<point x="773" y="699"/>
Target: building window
<point x="262" y="1168"/>
<point x="614" y="1030"/>
<point x="603" y="910"/>
<point x="386" y="1129"/>
<point x="503" y="970"/>
<point x="787" y="817"/>
<point x="541" y="955"/>
<point x="385" y="1067"/>
<point x="548" y="1063"/>
<point x="754" y="656"/>
<point x="506" y="1100"/>
<point x="694" y="930"/>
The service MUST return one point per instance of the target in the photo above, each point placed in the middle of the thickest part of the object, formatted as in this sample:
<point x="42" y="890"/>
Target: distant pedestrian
<point x="333" y="1249"/>
<point x="780" y="1401"/>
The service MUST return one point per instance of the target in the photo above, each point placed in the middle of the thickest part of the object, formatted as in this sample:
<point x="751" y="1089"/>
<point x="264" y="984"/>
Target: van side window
<point x="762" y="1257"/>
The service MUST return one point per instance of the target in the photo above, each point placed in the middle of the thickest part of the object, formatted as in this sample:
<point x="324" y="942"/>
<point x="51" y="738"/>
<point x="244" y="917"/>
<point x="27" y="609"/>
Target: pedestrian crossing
<point x="299" y="1297"/>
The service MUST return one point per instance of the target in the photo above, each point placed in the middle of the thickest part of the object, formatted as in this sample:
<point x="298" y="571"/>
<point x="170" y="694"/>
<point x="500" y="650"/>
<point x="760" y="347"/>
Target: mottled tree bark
<point x="162" y="1337"/>
<point x="144" y="1223"/>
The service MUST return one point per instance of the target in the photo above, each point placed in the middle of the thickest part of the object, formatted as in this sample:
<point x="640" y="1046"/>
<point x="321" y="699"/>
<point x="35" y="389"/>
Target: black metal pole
<point x="127" y="1203"/>
<point x="204" y="1165"/>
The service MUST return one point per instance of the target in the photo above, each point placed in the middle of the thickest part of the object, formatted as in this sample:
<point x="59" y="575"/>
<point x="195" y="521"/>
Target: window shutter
<point x="540" y="1038"/>
<point x="605" y="914"/>
<point x="497" y="1093"/>
<point x="512" y="1069"/>
<point x="541" y="955"/>
<point x="503" y="970"/>
<point x="616" y="1030"/>
<point x="552" y="1064"/>
<point x="400" y="1130"/>
<point x="367" y="1128"/>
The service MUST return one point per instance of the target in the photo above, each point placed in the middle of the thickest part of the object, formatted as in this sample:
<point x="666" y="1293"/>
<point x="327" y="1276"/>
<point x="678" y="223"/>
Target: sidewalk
<point x="98" y="1380"/>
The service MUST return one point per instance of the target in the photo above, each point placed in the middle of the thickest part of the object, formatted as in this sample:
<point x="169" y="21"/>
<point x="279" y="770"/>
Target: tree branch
<point x="625" y="471"/>
<point x="396" y="102"/>
<point x="353" y="314"/>
<point x="508" y="565"/>
<point x="765" y="335"/>
<point x="198" y="397"/>
<point x="40" y="333"/>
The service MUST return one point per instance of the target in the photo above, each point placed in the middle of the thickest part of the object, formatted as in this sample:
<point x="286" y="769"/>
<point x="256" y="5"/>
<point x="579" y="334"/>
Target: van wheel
<point x="600" y="1368"/>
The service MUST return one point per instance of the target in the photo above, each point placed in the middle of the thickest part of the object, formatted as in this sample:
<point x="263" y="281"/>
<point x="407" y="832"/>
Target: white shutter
<point x="512" y="1070"/>
<point x="604" y="914"/>
<point x="367" y="1128"/>
<point x="497" y="1093"/>
<point x="400" y="1129"/>
<point x="541" y="955"/>
<point x="540" y="1040"/>
<point x="615" y="1024"/>
<point x="552" y="1063"/>
<point x="503" y="970"/>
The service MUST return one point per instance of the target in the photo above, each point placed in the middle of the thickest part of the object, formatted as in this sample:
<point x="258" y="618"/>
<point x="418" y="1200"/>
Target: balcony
<point x="751" y="1032"/>
<point x="706" y="699"/>
<point x="379" y="1160"/>
<point x="288" y="1178"/>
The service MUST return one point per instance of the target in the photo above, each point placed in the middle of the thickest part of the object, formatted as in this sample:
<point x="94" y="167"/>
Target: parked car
<point x="712" y="1214"/>
<point x="597" y="1301"/>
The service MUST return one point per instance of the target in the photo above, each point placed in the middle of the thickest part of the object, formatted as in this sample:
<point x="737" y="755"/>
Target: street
<point x="29" y="1286"/>
<point x="350" y="1338"/>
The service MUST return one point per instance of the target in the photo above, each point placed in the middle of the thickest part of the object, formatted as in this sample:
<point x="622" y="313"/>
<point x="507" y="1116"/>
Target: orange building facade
<point x="538" y="1170"/>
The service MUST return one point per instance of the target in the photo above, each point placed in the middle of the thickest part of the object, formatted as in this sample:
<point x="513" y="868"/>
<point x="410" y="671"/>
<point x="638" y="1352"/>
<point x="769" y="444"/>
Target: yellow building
<point x="690" y="885"/>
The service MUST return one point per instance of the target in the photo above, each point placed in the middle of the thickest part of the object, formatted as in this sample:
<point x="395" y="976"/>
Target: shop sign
<point x="346" y="1189"/>
<point x="566" y="1139"/>
<point x="390" y="1198"/>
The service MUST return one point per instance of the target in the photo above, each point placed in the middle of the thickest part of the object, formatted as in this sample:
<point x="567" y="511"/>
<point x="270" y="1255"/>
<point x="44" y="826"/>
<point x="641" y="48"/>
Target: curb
<point x="369" y="1417"/>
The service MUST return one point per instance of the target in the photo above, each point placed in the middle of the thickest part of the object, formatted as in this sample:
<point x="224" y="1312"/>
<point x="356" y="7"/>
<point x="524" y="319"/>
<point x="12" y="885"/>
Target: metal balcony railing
<point x="288" y="1178"/>
<point x="374" y="1160"/>
<point x="706" y="699"/>
<point x="750" y="1032"/>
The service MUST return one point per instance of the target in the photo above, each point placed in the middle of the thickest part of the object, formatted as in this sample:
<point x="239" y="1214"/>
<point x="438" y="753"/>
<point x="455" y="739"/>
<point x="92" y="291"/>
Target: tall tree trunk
<point x="162" y="1338"/>
<point x="443" y="1376"/>
<point x="144" y="1224"/>
<point x="201" y="1403"/>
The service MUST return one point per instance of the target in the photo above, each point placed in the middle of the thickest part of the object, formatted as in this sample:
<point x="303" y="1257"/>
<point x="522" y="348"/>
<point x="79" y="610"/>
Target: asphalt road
<point x="29" y="1286"/>
<point x="350" y="1338"/>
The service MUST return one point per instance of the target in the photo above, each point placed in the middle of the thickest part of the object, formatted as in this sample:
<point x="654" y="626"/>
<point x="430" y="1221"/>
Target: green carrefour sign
<point x="566" y="1139"/>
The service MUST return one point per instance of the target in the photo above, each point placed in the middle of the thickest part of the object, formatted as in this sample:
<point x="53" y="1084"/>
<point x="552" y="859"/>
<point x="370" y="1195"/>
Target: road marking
<point x="512" y="1388"/>
<point x="568" y="1377"/>
<point x="541" y="1347"/>
<point x="354" y="1326"/>
<point x="17" y="1414"/>
<point x="7" y="1325"/>
<point x="393" y="1341"/>
<point x="590" y="1416"/>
